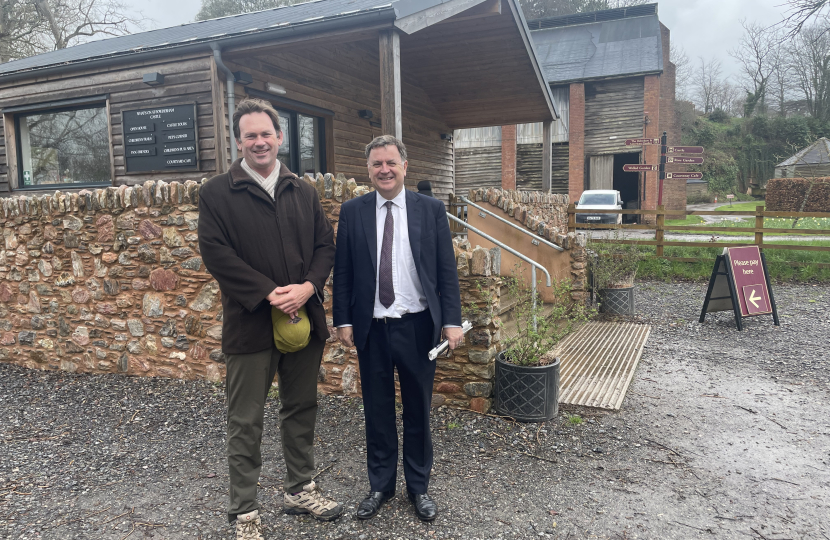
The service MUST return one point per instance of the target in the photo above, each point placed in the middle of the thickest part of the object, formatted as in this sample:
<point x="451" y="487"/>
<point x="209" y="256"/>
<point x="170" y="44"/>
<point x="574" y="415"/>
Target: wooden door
<point x="601" y="172"/>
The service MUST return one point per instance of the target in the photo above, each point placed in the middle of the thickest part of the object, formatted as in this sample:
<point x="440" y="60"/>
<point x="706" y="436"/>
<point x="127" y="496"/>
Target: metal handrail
<point x="533" y="264"/>
<point x="517" y="227"/>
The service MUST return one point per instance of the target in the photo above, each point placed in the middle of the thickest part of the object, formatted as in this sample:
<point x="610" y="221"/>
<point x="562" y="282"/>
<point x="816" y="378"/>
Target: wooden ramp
<point x="597" y="363"/>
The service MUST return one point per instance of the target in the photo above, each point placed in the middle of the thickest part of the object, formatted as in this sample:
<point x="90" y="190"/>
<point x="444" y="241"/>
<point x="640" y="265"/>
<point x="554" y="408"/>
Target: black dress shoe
<point x="425" y="507"/>
<point x="369" y="507"/>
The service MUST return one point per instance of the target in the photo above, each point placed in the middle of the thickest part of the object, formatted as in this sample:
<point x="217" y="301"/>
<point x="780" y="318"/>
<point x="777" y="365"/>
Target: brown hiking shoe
<point x="311" y="501"/>
<point x="249" y="526"/>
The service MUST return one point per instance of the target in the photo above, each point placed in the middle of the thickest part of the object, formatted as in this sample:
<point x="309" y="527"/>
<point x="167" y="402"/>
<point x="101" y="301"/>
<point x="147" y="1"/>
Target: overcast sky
<point x="701" y="27"/>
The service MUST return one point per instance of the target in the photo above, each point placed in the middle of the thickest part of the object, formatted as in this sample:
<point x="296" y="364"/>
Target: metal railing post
<point x="533" y="264"/>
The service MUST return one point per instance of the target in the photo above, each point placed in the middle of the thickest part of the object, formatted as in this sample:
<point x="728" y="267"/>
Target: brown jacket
<point x="251" y="245"/>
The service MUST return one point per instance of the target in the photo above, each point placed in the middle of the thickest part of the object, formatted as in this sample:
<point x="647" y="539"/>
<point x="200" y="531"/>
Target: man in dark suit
<point x="395" y="290"/>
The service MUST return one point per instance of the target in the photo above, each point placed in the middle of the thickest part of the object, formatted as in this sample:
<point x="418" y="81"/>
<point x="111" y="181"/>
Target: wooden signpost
<point x="740" y="282"/>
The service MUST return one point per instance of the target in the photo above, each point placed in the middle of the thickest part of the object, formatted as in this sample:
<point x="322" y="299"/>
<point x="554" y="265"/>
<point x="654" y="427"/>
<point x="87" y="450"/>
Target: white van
<point x="599" y="199"/>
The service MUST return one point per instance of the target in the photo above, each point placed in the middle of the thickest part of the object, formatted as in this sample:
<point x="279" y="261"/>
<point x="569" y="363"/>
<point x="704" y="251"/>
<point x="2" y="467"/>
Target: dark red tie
<point x="386" y="291"/>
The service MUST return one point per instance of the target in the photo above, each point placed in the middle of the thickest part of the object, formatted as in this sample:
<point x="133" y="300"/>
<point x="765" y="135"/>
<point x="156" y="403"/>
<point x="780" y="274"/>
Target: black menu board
<point x="161" y="139"/>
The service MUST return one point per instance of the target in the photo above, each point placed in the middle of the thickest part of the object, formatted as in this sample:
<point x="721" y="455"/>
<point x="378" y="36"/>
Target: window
<point x="303" y="146"/>
<point x="63" y="146"/>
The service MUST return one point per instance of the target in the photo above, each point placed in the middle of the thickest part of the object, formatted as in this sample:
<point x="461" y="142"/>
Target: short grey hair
<point x="386" y="140"/>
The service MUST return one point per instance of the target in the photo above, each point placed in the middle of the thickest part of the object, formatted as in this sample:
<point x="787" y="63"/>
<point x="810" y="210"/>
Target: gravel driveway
<point x="723" y="434"/>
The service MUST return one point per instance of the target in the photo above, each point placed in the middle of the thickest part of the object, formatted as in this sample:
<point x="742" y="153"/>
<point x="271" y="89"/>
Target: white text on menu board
<point x="154" y="113"/>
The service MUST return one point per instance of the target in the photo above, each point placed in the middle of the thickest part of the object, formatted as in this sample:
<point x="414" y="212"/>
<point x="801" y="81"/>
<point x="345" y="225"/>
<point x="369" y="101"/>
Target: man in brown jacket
<point x="264" y="237"/>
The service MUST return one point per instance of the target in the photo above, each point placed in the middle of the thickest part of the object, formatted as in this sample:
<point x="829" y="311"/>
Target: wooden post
<point x="13" y="176"/>
<point x="390" y="84"/>
<point x="220" y="118"/>
<point x="661" y="217"/>
<point x="547" y="155"/>
<point x="759" y="224"/>
<point x="572" y="217"/>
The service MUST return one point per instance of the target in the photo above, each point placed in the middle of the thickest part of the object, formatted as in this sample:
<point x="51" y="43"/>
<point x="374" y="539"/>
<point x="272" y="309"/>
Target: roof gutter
<point x="382" y="15"/>
<point x="230" y="78"/>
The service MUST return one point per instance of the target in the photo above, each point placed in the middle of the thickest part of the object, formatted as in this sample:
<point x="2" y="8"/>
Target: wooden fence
<point x="660" y="228"/>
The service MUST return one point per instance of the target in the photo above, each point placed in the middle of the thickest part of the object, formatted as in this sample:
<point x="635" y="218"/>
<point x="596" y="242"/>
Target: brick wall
<point x="576" y="145"/>
<point x="674" y="191"/>
<point x="651" y="108"/>
<point x="508" y="157"/>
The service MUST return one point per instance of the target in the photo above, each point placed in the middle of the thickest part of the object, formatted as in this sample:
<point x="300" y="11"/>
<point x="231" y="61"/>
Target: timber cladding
<point x="478" y="167"/>
<point x="529" y="168"/>
<point x="343" y="78"/>
<point x="613" y="108"/>
<point x="187" y="81"/>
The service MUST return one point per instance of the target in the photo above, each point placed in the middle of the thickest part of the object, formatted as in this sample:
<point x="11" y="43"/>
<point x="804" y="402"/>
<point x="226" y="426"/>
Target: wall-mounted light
<point x="366" y="114"/>
<point x="446" y="136"/>
<point x="243" y="78"/>
<point x="275" y="88"/>
<point x="153" y="79"/>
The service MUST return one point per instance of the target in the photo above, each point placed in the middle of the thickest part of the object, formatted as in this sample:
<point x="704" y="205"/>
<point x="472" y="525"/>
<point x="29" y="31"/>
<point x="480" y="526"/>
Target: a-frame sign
<point x="740" y="282"/>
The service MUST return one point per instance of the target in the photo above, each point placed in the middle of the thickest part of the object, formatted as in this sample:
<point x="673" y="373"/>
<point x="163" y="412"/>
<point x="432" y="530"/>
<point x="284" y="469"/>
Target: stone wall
<point x="545" y="214"/>
<point x="111" y="281"/>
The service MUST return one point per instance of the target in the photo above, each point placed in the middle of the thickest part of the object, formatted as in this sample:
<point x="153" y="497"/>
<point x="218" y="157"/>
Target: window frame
<point x="19" y="113"/>
<point x="294" y="108"/>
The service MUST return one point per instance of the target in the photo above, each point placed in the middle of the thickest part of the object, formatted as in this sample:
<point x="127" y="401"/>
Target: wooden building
<point x="611" y="78"/>
<point x="810" y="162"/>
<point x="155" y="105"/>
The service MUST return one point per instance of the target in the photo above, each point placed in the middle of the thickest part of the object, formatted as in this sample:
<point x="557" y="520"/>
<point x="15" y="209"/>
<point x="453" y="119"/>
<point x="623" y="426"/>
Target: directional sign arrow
<point x="638" y="142"/>
<point x="686" y="160"/>
<point x="754" y="299"/>
<point x="684" y="176"/>
<point x="635" y="167"/>
<point x="684" y="149"/>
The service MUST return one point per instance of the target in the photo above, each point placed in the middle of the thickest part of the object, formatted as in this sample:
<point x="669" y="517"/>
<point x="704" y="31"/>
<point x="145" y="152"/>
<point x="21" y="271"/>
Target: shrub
<point x="537" y="331"/>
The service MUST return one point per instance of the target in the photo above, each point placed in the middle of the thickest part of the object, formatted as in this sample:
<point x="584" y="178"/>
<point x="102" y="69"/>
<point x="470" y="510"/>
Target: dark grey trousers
<point x="249" y="378"/>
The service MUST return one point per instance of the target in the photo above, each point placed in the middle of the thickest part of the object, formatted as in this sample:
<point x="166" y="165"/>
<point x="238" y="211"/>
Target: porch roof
<point x="474" y="58"/>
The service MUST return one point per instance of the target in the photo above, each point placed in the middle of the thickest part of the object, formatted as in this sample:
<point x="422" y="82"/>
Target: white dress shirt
<point x="409" y="294"/>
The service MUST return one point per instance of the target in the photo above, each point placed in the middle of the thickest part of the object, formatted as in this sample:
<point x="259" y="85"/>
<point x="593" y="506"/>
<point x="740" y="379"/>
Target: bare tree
<point x="537" y="9"/>
<point x="30" y="27"/>
<point x="212" y="9"/>
<point x="682" y="70"/>
<point x="706" y="83"/>
<point x="781" y="85"/>
<point x="809" y="54"/>
<point x="801" y="11"/>
<point x="756" y="56"/>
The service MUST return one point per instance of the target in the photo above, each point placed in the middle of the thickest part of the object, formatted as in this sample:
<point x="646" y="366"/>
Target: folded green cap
<point x="288" y="336"/>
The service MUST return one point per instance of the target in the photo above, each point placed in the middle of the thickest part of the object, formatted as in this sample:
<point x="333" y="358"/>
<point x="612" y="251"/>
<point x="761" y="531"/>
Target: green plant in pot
<point x="613" y="268"/>
<point x="527" y="371"/>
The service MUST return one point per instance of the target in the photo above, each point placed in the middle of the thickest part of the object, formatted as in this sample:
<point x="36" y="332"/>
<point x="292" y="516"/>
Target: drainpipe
<point x="217" y="54"/>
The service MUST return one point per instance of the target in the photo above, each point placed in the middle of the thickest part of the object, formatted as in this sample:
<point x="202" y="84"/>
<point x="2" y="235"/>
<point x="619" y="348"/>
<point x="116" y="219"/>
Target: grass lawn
<point x="740" y="207"/>
<point x="779" y="262"/>
<point x="748" y="222"/>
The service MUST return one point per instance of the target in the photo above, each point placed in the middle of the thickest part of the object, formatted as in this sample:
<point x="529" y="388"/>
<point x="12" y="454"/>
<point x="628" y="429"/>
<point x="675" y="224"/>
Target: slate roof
<point x="224" y="28"/>
<point x="599" y="45"/>
<point x="815" y="154"/>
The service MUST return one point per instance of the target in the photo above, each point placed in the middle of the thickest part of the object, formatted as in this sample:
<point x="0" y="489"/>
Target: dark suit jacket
<point x="355" y="263"/>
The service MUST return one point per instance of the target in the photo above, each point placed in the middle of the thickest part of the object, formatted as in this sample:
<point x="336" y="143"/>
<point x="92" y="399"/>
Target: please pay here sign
<point x="740" y="283"/>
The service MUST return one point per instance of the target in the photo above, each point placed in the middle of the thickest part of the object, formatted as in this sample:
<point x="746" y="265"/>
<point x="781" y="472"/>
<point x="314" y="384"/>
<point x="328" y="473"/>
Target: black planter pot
<point x="527" y="393"/>
<point x="617" y="301"/>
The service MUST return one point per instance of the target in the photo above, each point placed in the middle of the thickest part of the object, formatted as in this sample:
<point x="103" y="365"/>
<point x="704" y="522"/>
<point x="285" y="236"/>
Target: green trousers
<point x="249" y="378"/>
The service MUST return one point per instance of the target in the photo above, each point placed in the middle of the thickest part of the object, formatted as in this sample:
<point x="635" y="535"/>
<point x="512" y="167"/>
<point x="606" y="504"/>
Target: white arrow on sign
<point x="754" y="299"/>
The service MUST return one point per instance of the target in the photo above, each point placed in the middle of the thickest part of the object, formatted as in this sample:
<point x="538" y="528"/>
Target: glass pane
<point x="284" y="154"/>
<point x="68" y="147"/>
<point x="309" y="145"/>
